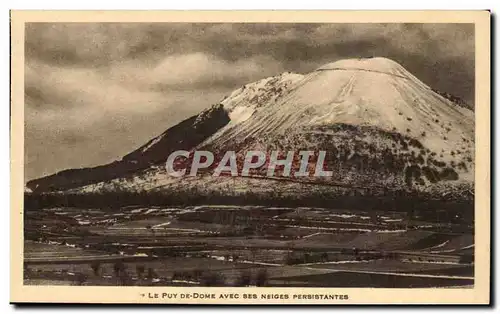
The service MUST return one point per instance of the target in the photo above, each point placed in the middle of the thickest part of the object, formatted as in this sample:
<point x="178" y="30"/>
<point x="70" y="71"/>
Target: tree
<point x="466" y="259"/>
<point x="176" y="275"/>
<point x="80" y="279"/>
<point x="140" y="270"/>
<point x="197" y="274"/>
<point x="253" y="251"/>
<point x="307" y="257"/>
<point x="26" y="269"/>
<point x="119" y="268"/>
<point x="245" y="279"/>
<point x="125" y="279"/>
<point x="150" y="229"/>
<point x="262" y="277"/>
<point x="213" y="280"/>
<point x="151" y="273"/>
<point x="95" y="267"/>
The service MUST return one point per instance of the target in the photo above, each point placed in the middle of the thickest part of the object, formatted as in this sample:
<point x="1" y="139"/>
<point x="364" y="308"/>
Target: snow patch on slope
<point x="153" y="142"/>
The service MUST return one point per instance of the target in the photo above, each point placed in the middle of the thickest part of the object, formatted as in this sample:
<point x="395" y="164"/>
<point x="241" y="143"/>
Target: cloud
<point x="433" y="52"/>
<point x="99" y="44"/>
<point x="82" y="44"/>
<point x="112" y="110"/>
<point x="125" y="84"/>
<point x="200" y="69"/>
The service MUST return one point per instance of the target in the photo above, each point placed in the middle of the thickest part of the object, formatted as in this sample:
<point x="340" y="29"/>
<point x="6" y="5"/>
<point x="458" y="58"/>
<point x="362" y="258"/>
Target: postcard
<point x="250" y="157"/>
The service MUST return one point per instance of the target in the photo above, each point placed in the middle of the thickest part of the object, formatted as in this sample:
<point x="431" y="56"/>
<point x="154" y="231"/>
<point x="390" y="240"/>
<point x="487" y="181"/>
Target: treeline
<point x="453" y="210"/>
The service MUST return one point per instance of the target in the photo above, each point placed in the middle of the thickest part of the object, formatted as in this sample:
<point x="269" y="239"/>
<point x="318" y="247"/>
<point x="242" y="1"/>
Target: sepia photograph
<point x="178" y="156"/>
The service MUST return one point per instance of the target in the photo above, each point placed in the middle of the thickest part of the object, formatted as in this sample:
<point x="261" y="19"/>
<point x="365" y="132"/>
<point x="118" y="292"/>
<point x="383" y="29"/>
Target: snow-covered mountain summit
<point x="379" y="124"/>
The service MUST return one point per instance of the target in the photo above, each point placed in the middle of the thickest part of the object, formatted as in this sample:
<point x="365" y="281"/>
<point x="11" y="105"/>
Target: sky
<point x="96" y="91"/>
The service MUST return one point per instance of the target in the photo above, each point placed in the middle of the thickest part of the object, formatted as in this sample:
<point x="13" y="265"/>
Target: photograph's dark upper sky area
<point x="96" y="91"/>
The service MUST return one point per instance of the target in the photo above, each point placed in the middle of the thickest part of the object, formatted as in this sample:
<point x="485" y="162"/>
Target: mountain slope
<point x="380" y="126"/>
<point x="198" y="127"/>
<point x="183" y="136"/>
<point x="369" y="92"/>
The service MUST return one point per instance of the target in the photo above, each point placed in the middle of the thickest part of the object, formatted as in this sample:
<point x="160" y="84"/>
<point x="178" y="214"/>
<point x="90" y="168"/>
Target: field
<point x="243" y="246"/>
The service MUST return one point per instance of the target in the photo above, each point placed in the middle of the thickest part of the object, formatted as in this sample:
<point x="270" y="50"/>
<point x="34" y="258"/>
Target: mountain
<point x="382" y="128"/>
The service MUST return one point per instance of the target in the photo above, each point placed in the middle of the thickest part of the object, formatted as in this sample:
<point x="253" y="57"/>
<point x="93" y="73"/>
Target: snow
<point x="325" y="228"/>
<point x="393" y="220"/>
<point x="240" y="114"/>
<point x="440" y="245"/>
<point x="245" y="102"/>
<point x="375" y="92"/>
<point x="434" y="262"/>
<point x="371" y="92"/>
<point x="218" y="258"/>
<point x="258" y="263"/>
<point x="399" y="274"/>
<point x="335" y="263"/>
<point x="186" y="281"/>
<point x="347" y="216"/>
<point x="152" y="143"/>
<point x="312" y="235"/>
<point x="161" y="225"/>
<point x="467" y="247"/>
<point x="378" y="65"/>
<point x="391" y="231"/>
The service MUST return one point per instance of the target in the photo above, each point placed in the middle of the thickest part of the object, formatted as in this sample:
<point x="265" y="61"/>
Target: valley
<point x="213" y="245"/>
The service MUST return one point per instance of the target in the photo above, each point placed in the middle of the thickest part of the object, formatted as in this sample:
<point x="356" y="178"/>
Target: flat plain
<point x="244" y="246"/>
